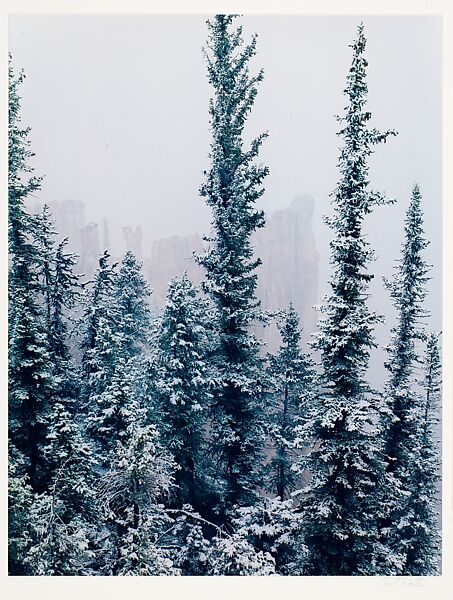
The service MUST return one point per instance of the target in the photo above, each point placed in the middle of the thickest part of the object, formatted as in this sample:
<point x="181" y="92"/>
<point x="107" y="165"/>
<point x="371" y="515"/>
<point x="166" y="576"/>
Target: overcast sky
<point x="119" y="113"/>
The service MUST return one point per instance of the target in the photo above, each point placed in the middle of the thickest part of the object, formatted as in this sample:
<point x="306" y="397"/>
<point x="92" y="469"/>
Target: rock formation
<point x="88" y="248"/>
<point x="133" y="239"/>
<point x="83" y="238"/>
<point x="286" y="246"/>
<point x="289" y="269"/>
<point x="170" y="257"/>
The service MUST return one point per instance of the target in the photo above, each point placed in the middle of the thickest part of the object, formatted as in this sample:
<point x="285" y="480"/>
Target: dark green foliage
<point x="274" y="528"/>
<point x="65" y="295"/>
<point x="191" y="545"/>
<point x="423" y="544"/>
<point x="132" y="295"/>
<point x="233" y="185"/>
<point x="30" y="384"/>
<point x="20" y="499"/>
<point x="64" y="519"/>
<point x="100" y="345"/>
<point x="183" y="379"/>
<point x="292" y="379"/>
<point x="116" y="327"/>
<point x="408" y="291"/>
<point x="403" y="408"/>
<point x="345" y="463"/>
<point x="139" y="477"/>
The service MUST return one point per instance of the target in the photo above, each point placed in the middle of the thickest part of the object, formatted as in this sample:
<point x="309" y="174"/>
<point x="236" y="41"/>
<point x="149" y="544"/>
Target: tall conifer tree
<point x="61" y="291"/>
<point x="117" y="326"/>
<point x="100" y="345"/>
<point x="65" y="296"/>
<point x="423" y="541"/>
<point x="233" y="185"/>
<point x="292" y="378"/>
<point x="64" y="519"/>
<point x="182" y="387"/>
<point x="140" y="476"/>
<point x="345" y="463"/>
<point x="132" y="295"/>
<point x="408" y="291"/>
<point x="30" y="382"/>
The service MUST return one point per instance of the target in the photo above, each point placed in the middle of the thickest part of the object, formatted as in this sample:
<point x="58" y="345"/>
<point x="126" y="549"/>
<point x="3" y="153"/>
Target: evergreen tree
<point x="100" y="311"/>
<point x="233" y="555"/>
<point x="345" y="462"/>
<point x="140" y="475"/>
<point x="63" y="520"/>
<point x="45" y="233"/>
<point x="132" y="293"/>
<point x="408" y="291"/>
<point x="101" y="348"/>
<point x="38" y="366"/>
<point x="61" y="291"/>
<point x="139" y="554"/>
<point x="57" y="547"/>
<point x="274" y="527"/>
<point x="20" y="499"/>
<point x="423" y="542"/>
<point x="233" y="185"/>
<point x="292" y="382"/>
<point x="30" y="371"/>
<point x="182" y="387"/>
<point x="65" y="296"/>
<point x="73" y="462"/>
<point x="191" y="545"/>
<point x="117" y="407"/>
<point x="118" y="325"/>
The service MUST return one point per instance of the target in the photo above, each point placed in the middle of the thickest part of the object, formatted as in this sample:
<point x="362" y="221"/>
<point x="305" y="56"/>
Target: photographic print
<point x="224" y="295"/>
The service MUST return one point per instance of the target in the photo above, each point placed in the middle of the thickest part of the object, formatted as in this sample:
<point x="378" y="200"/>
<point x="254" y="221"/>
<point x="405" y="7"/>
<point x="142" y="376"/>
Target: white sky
<point x="119" y="113"/>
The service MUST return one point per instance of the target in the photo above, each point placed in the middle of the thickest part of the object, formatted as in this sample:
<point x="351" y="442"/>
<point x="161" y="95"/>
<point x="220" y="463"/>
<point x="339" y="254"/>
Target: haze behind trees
<point x="119" y="122"/>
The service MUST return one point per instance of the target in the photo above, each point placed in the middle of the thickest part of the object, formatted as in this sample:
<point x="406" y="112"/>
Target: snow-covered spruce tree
<point x="189" y="538"/>
<point x="56" y="547"/>
<point x="346" y="466"/>
<point x="101" y="347"/>
<point x="118" y="407"/>
<point x="227" y="551"/>
<point x="292" y="377"/>
<point x="99" y="308"/>
<point x="122" y="325"/>
<point x="64" y="519"/>
<point x="63" y="527"/>
<point x="61" y="291"/>
<point x="182" y="387"/>
<point x="29" y="369"/>
<point x="131" y="295"/>
<point x="274" y="527"/>
<point x="234" y="555"/>
<point x="408" y="291"/>
<point x="423" y="541"/>
<point x="45" y="234"/>
<point x="233" y="185"/>
<point x="20" y="498"/>
<point x="65" y="296"/>
<point x="139" y="477"/>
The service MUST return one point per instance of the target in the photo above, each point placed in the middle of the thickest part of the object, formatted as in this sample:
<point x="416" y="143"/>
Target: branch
<point x="197" y="518"/>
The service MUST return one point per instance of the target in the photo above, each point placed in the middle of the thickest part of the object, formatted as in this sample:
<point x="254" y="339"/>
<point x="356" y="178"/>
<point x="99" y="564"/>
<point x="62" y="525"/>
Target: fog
<point x="119" y="113"/>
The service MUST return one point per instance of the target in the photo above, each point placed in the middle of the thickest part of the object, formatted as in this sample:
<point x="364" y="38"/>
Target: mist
<point x="118" y="107"/>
